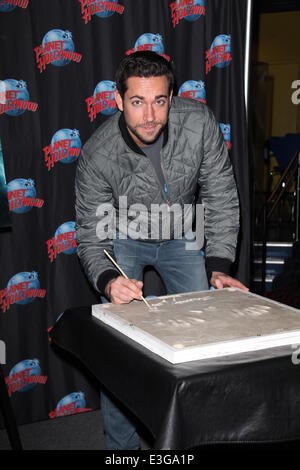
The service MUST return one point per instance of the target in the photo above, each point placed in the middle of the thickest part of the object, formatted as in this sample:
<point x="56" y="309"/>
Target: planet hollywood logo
<point x="71" y="404"/>
<point x="21" y="195"/>
<point x="149" y="42"/>
<point x="219" y="54"/>
<point x="226" y="131"/>
<point x="189" y="10"/>
<point x="57" y="49"/>
<point x="25" y="376"/>
<point x="14" y="98"/>
<point x="22" y="289"/>
<point x="64" y="241"/>
<point x="9" y="5"/>
<point x="103" y="100"/>
<point x="100" y="8"/>
<point x="193" y="89"/>
<point x="64" y="148"/>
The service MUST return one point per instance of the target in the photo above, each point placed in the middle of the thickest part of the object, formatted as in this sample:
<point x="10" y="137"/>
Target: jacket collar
<point x="129" y="140"/>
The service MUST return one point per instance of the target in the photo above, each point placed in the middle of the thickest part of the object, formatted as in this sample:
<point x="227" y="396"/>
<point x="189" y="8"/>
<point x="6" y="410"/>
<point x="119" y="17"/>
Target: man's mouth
<point x="150" y="127"/>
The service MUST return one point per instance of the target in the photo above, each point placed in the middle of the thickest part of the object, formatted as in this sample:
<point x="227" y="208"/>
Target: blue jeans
<point x="182" y="270"/>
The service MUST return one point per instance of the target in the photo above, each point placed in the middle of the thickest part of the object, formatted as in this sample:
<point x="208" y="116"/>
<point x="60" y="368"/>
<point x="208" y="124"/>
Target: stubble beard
<point x="142" y="138"/>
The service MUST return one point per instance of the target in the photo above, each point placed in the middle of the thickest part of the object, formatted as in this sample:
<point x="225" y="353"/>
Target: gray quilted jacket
<point x="112" y="165"/>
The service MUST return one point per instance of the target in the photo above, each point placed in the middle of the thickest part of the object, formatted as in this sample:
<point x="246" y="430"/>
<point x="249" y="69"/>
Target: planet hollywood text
<point x="58" y="151"/>
<point x="11" y="100"/>
<point x="60" y="243"/>
<point x="181" y="9"/>
<point x="54" y="51"/>
<point x="68" y="409"/>
<point x="100" y="102"/>
<point x="17" y="199"/>
<point x="18" y="381"/>
<point x="18" y="293"/>
<point x="90" y="8"/>
<point x="16" y="3"/>
<point x="218" y="55"/>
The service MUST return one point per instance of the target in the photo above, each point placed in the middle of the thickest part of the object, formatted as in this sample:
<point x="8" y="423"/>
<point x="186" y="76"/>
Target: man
<point x="153" y="152"/>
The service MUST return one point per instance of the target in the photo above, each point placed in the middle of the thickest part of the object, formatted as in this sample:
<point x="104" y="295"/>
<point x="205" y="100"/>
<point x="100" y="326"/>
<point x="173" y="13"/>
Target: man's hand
<point x="220" y="280"/>
<point x="122" y="291"/>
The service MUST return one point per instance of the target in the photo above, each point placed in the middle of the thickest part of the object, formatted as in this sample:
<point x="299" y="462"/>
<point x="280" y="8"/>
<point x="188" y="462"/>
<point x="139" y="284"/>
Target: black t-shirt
<point x="153" y="153"/>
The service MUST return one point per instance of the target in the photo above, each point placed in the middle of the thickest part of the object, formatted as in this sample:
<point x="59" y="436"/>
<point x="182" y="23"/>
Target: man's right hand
<point x="122" y="291"/>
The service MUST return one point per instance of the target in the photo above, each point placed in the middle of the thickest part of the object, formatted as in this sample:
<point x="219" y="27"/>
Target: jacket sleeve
<point x="93" y="194"/>
<point x="219" y="196"/>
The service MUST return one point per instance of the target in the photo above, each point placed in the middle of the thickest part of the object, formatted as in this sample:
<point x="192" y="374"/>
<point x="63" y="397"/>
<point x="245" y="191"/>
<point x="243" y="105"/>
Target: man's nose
<point x="149" y="113"/>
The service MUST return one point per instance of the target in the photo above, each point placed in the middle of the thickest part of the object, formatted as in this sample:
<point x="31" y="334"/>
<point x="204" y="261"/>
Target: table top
<point x="250" y="397"/>
<point x="199" y="325"/>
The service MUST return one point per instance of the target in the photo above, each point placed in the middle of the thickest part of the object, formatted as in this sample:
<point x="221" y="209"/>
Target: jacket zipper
<point x="166" y="191"/>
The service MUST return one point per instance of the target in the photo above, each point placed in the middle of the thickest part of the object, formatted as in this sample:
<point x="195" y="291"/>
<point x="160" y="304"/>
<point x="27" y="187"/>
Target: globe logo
<point x="225" y="129"/>
<point x="68" y="44"/>
<point x="66" y="228"/>
<point x="72" y="136"/>
<point x="149" y="41"/>
<point x="221" y="40"/>
<point x="21" y="94"/>
<point x="193" y="3"/>
<point x="106" y="10"/>
<point x="35" y="370"/>
<point x="5" y="7"/>
<point x="104" y="94"/>
<point x="75" y="399"/>
<point x="28" y="191"/>
<point x="193" y="89"/>
<point x="33" y="283"/>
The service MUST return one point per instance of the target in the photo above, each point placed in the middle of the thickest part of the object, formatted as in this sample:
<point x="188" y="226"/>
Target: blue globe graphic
<point x="33" y="283"/>
<point x="5" y="7"/>
<point x="150" y="39"/>
<point x="192" y="17"/>
<point x="75" y="398"/>
<point x="66" y="227"/>
<point x="225" y="128"/>
<point x="193" y="89"/>
<point x="30" y="192"/>
<point x="35" y="370"/>
<point x="222" y="40"/>
<point x="107" y="86"/>
<point x="68" y="44"/>
<point x="68" y="134"/>
<point x="106" y="13"/>
<point x="20" y="86"/>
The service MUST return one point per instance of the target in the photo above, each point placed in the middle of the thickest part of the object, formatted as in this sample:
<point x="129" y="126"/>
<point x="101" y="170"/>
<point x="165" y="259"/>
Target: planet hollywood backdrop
<point x="58" y="59"/>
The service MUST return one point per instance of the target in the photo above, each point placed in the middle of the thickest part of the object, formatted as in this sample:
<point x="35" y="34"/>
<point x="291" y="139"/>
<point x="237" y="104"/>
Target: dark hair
<point x="143" y="64"/>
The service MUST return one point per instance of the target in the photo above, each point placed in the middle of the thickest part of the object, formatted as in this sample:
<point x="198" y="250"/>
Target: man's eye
<point x="161" y="102"/>
<point x="136" y="103"/>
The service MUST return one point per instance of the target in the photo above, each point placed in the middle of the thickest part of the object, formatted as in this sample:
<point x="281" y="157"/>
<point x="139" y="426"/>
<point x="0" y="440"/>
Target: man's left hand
<point x="220" y="280"/>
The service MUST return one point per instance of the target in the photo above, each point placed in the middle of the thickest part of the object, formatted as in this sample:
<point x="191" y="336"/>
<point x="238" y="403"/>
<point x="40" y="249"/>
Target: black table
<point x="254" y="397"/>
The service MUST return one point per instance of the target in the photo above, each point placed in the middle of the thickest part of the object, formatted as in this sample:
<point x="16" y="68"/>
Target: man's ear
<point x="119" y="100"/>
<point x="170" y="97"/>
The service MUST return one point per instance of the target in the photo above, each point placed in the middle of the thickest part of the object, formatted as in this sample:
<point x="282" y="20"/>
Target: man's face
<point x="145" y="105"/>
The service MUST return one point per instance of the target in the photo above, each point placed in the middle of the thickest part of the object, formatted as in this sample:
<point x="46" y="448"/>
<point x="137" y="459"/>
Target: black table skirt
<point x="254" y="397"/>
